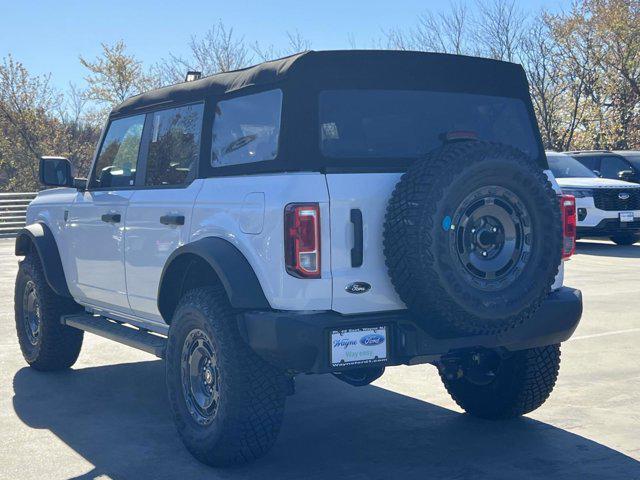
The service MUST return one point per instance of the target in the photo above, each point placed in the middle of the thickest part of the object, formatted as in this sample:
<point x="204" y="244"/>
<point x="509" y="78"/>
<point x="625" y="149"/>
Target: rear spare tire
<point x="473" y="238"/>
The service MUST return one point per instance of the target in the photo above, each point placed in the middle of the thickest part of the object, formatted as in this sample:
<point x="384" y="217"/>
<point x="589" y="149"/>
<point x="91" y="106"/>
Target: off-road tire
<point x="625" y="239"/>
<point x="252" y="393"/>
<point x="523" y="382"/>
<point x="57" y="346"/>
<point x="420" y="247"/>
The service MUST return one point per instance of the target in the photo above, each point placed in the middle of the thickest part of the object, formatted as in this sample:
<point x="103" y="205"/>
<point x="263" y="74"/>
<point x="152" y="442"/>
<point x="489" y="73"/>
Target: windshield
<point x="410" y="123"/>
<point x="564" y="166"/>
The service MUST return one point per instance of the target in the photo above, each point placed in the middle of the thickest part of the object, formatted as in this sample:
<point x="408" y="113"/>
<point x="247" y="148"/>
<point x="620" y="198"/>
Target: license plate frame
<point x="358" y="346"/>
<point x="626" y="217"/>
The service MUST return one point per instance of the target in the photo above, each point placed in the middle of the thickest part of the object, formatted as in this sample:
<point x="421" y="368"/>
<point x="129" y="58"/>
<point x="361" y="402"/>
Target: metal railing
<point x="13" y="209"/>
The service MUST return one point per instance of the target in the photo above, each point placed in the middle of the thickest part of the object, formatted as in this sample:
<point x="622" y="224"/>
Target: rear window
<point x="410" y="123"/>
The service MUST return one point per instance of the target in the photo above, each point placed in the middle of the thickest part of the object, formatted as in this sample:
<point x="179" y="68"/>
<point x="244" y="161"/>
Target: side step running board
<point x="121" y="333"/>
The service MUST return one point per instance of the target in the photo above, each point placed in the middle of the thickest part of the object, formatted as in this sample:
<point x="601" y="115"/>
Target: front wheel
<point x="486" y="385"/>
<point x="227" y="402"/>
<point x="45" y="342"/>
<point x="625" y="239"/>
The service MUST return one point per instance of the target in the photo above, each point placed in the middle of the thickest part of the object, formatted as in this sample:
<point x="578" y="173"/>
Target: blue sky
<point x="49" y="36"/>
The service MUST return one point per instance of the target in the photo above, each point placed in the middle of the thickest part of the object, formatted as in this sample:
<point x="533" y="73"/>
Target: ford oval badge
<point x="623" y="196"/>
<point x="372" y="339"/>
<point x="358" y="287"/>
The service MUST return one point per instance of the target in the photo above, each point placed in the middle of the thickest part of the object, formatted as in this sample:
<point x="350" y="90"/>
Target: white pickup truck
<point x="329" y="212"/>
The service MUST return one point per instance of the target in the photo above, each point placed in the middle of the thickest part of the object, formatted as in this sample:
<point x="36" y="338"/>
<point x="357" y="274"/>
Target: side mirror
<point x="55" y="172"/>
<point x="626" y="175"/>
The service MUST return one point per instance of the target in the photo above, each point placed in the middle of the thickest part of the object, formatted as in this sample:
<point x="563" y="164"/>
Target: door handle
<point x="172" y="219"/>
<point x="357" y="251"/>
<point x="111" y="218"/>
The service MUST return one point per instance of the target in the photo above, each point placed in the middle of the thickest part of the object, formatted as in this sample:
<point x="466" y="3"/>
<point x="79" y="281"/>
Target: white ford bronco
<point x="329" y="212"/>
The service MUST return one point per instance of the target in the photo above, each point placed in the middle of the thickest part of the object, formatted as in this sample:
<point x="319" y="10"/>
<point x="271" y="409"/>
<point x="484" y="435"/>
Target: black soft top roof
<point x="369" y="68"/>
<point x="302" y="77"/>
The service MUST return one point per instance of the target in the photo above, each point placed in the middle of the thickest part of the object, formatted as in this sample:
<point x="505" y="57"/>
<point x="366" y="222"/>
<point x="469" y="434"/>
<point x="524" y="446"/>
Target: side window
<point x="590" y="162"/>
<point x="118" y="157"/>
<point x="610" y="166"/>
<point x="173" y="144"/>
<point x="246" y="129"/>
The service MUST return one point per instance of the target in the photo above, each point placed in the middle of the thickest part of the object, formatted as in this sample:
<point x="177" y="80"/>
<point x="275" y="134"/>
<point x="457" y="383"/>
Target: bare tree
<point x="219" y="50"/>
<point x="445" y="32"/>
<point x="351" y="40"/>
<point x="546" y="82"/>
<point x="296" y="42"/>
<point x="499" y="27"/>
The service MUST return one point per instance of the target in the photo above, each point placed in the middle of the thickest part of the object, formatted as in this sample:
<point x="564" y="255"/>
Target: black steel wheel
<point x="492" y="230"/>
<point x="200" y="377"/>
<point x="31" y="313"/>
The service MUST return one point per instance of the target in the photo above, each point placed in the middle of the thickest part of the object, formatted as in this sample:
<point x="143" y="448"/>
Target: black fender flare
<point x="230" y="265"/>
<point x="41" y="237"/>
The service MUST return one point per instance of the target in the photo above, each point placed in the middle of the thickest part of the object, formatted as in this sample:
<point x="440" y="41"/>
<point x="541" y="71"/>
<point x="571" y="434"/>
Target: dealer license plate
<point x="358" y="346"/>
<point x="626" y="216"/>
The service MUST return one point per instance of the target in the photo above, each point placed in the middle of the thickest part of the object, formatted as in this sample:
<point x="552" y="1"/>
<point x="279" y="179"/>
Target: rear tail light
<point x="302" y="240"/>
<point x="568" y="210"/>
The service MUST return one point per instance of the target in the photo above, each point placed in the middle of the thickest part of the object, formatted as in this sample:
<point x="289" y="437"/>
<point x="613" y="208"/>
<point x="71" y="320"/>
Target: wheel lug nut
<point x="484" y="254"/>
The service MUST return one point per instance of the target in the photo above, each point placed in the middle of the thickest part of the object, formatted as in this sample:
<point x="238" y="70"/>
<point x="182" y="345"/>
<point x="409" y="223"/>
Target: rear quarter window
<point x="246" y="129"/>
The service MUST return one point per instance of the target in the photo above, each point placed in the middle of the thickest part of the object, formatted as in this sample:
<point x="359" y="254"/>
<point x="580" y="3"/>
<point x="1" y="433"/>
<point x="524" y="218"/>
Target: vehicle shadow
<point x="602" y="249"/>
<point x="117" y="418"/>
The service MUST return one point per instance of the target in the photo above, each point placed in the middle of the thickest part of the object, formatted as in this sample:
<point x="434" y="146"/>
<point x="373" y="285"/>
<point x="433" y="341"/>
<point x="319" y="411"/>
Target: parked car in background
<point x="606" y="207"/>
<point x="617" y="165"/>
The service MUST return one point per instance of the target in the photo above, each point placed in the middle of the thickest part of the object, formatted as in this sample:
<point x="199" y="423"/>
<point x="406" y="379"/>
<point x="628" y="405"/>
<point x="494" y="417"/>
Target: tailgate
<point x="368" y="193"/>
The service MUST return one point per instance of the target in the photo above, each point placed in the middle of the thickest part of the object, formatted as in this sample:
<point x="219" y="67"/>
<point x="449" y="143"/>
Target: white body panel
<point x="228" y="207"/>
<point x="95" y="255"/>
<point x="149" y="243"/>
<point x="368" y="192"/>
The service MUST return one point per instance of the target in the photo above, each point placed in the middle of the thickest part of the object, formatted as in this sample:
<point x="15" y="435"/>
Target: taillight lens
<point x="568" y="209"/>
<point x="302" y="240"/>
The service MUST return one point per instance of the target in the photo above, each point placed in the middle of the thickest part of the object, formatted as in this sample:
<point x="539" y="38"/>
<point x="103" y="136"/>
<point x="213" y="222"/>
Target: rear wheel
<point x="625" y="239"/>
<point x="46" y="343"/>
<point x="487" y="385"/>
<point x="226" y="401"/>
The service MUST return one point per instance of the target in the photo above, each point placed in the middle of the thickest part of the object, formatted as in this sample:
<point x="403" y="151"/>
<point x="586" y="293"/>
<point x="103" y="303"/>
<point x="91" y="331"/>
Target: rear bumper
<point x="299" y="342"/>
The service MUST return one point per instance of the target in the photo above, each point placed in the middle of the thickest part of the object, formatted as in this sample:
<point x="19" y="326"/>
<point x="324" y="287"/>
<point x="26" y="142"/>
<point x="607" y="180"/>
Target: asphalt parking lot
<point x="109" y="418"/>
